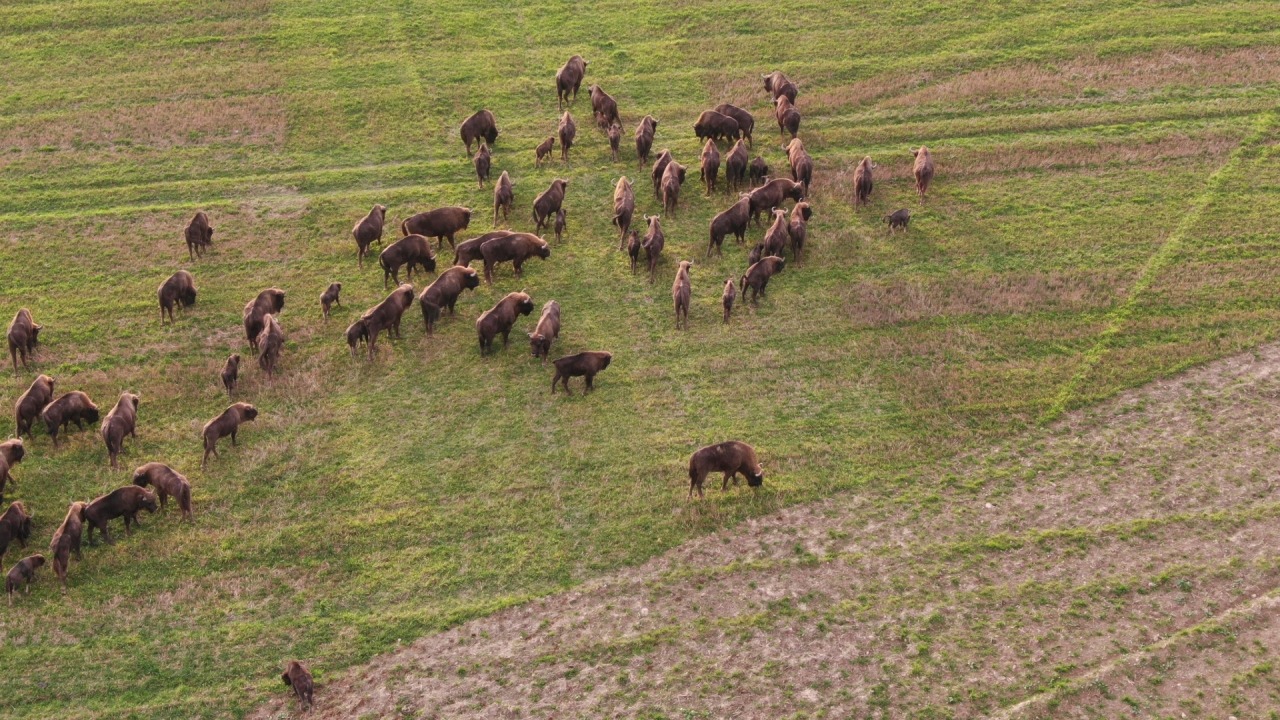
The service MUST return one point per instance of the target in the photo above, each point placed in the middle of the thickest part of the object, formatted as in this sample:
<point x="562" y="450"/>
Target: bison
<point x="779" y="85"/>
<point x="11" y="453"/>
<point x="672" y="179"/>
<point x="586" y="364"/>
<point x="125" y="502"/>
<point x="798" y="228"/>
<point x="329" y="298"/>
<point x="547" y="330"/>
<point x="681" y="293"/>
<point x="180" y="288"/>
<point x="166" y="481"/>
<point x="198" y="234"/>
<point x="268" y="302"/>
<point x="227" y="423"/>
<point x="29" y="405"/>
<point x="758" y="171"/>
<point x="734" y="220"/>
<point x="569" y="78"/>
<point x="479" y="127"/>
<point x="544" y="150"/>
<point x="66" y="540"/>
<point x="468" y="251"/>
<point x="727" y="297"/>
<point x="24" y="336"/>
<point x="735" y="166"/>
<point x="441" y="224"/>
<point x="730" y="458"/>
<point x="386" y="316"/>
<point x="711" y="125"/>
<point x="73" y="407"/>
<point x="923" y="170"/>
<point x="357" y="332"/>
<point x="654" y="239"/>
<point x="801" y="163"/>
<point x="409" y="250"/>
<point x="231" y="373"/>
<point x="562" y="224"/>
<point x="566" y="131"/>
<point x="862" y="182"/>
<point x="548" y="203"/>
<point x="297" y="678"/>
<point x="757" y="276"/>
<point x="772" y="194"/>
<point x="22" y="573"/>
<point x="444" y="293"/>
<point x="368" y="231"/>
<point x="604" y="107"/>
<point x="775" y="238"/>
<point x="504" y="198"/>
<point x="644" y="138"/>
<point x="709" y="167"/>
<point x="482" y="161"/>
<point x="120" y="421"/>
<point x="746" y="123"/>
<point x="659" y="167"/>
<point x="516" y="247"/>
<point x="633" y="249"/>
<point x="15" y="524"/>
<point x="787" y="115"/>
<point x="898" y="220"/>
<point x="615" y="140"/>
<point x="624" y="208"/>
<point x="500" y="318"/>
<point x="270" y="345"/>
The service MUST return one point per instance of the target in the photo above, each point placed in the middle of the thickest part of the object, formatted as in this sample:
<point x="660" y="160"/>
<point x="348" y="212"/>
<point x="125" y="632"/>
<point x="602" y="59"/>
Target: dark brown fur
<point x="735" y="166"/>
<point x="644" y="138"/>
<point x="441" y="224"/>
<point x="270" y="345"/>
<point x="24" y="336"/>
<point x="604" y="107"/>
<point x="198" y="234"/>
<point x="798" y="229"/>
<point x="15" y="524"/>
<point x="22" y="573"/>
<point x="231" y="373"/>
<point x="166" y="481"/>
<point x="779" y="85"/>
<point x="672" y="179"/>
<point x="659" y="167"/>
<point x="481" y="126"/>
<point x="357" y="332"/>
<point x="746" y="122"/>
<point x="548" y="203"/>
<point x="754" y="255"/>
<point x="633" y="249"/>
<point x="709" y="168"/>
<point x="298" y="678"/>
<point x="546" y="331"/>
<point x="409" y="250"/>
<point x="180" y="288"/>
<point x="329" y="298"/>
<point x="368" y="231"/>
<point x="569" y="79"/>
<point x="516" y="247"/>
<point x="733" y="220"/>
<point x="624" y="208"/>
<point x="567" y="131"/>
<point x="499" y="319"/>
<point x="682" y="293"/>
<point x="544" y="150"/>
<point x="711" y="125"/>
<point x="727" y="297"/>
<point x="586" y="364"/>
<point x="654" y="240"/>
<point x="787" y="115"/>
<point x="227" y="423"/>
<point x="730" y="458"/>
<point x="444" y="293"/>
<point x="268" y="302"/>
<point x="615" y="140"/>
<point x="801" y="163"/>
<point x="66" y="540"/>
<point x="73" y="407"/>
<point x="29" y="405"/>
<point x="482" y="161"/>
<point x="758" y="171"/>
<point x="757" y="276"/>
<point x="125" y="502"/>
<point x="922" y="169"/>
<point x="775" y="238"/>
<point x="11" y="453"/>
<point x="898" y="220"/>
<point x="122" y="420"/>
<point x="386" y="315"/>
<point x="504" y="198"/>
<point x="863" y="182"/>
<point x="772" y="194"/>
<point x="562" y="224"/>
<point x="468" y="251"/>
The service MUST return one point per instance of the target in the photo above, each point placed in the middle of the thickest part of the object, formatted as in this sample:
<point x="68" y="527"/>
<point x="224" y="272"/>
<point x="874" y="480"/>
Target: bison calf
<point x="329" y="298"/>
<point x="544" y="150"/>
<point x="73" y="407"/>
<point x="66" y="540"/>
<point x="15" y="524"/>
<point x="357" y="332"/>
<point x="482" y="161"/>
<point x="586" y="364"/>
<point x="547" y="330"/>
<point x="898" y="220"/>
<point x="615" y="140"/>
<point x="123" y="502"/>
<point x="758" y="171"/>
<point x="180" y="288"/>
<point x="633" y="249"/>
<point x="231" y="373"/>
<point x="22" y="573"/>
<point x="500" y="318"/>
<point x="444" y="293"/>
<point x="298" y="678"/>
<point x="227" y="423"/>
<point x="727" y="297"/>
<point x="120" y="421"/>
<point x="11" y="453"/>
<point x="730" y="458"/>
<point x="166" y="481"/>
<point x="562" y="223"/>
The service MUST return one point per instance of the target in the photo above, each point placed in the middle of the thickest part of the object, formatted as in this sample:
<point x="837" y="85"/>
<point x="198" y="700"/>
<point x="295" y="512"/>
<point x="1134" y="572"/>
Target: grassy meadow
<point x="1104" y="213"/>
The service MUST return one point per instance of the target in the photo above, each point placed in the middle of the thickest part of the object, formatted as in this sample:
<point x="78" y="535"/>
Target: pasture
<point x="1104" y="214"/>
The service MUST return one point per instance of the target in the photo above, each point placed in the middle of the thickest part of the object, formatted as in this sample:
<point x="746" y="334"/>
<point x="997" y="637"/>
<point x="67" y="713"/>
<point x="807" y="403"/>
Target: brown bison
<point x="633" y="249"/>
<point x="270" y="345"/>
<point x="357" y="332"/>
<point x="734" y="220"/>
<point x="29" y="405"/>
<point x="604" y="107"/>
<point x="547" y="330"/>
<point x="198" y="234"/>
<point x="754" y="255"/>
<point x="672" y="179"/>
<point x="730" y="458"/>
<point x="297" y="678"/>
<point x="772" y="194"/>
<point x="268" y="302"/>
<point x="682" y="293"/>
<point x="368" y="231"/>
<point x="569" y="78"/>
<point x="562" y="224"/>
<point x="386" y="316"/>
<point x="801" y="163"/>
<point x="329" y="298"/>
<point x="727" y="297"/>
<point x="644" y="138"/>
<point x="123" y="502"/>
<point x="482" y="126"/>
<point x="757" y="276"/>
<point x="615" y="140"/>
<point x="24" y="336"/>
<point x="468" y="251"/>
<point x="22" y="573"/>
<point x="500" y="318"/>
<point x="624" y="208"/>
<point x="516" y="247"/>
<point x="863" y="182"/>
<point x="73" y="407"/>
<point x="923" y="170"/>
<point x="166" y="481"/>
<point x="711" y="125"/>
<point x="798" y="229"/>
<point x="709" y="166"/>
<point x="586" y="364"/>
<point x="66" y="540"/>
<point x="787" y="115"/>
<point x="409" y="250"/>
<point x="15" y="524"/>
<point x="758" y="171"/>
<point x="231" y="373"/>
<point x="566" y="131"/>
<point x="659" y="167"/>
<point x="898" y="220"/>
<point x="654" y="240"/>
<point x="775" y="238"/>
<point x="228" y="423"/>
<point x="120" y="421"/>
<point x="441" y="224"/>
<point x="179" y="288"/>
<point x="444" y="292"/>
<point x="504" y="197"/>
<point x="735" y="166"/>
<point x="11" y="453"/>
<point x="548" y="203"/>
<point x="779" y="85"/>
<point x="544" y="150"/>
<point x="482" y="161"/>
<point x="746" y="123"/>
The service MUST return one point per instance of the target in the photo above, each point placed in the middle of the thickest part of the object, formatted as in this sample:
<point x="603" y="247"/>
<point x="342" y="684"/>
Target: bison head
<point x="188" y="297"/>
<point x="13" y="450"/>
<point x="248" y="412"/>
<point x="606" y="359"/>
<point x="149" y="501"/>
<point x="525" y="306"/>
<point x="91" y="415"/>
<point x="35" y="334"/>
<point x="538" y="344"/>
<point x="544" y="251"/>
<point x="140" y="477"/>
<point x="755" y="479"/>
<point x="472" y="279"/>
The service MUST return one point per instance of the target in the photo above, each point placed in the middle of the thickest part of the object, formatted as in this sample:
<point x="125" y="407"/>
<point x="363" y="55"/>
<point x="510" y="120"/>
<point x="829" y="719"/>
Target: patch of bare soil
<point x="1123" y="560"/>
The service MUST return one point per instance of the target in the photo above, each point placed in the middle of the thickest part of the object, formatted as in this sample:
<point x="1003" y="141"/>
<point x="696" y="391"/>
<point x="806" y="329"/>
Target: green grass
<point x="1086" y="233"/>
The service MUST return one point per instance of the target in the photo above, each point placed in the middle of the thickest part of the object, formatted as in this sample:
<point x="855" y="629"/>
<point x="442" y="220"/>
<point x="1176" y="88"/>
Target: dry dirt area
<point x="1120" y="563"/>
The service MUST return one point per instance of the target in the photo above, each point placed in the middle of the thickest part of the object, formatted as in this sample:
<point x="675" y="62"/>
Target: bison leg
<point x="505" y="333"/>
<point x="555" y="380"/>
<point x="590" y="382"/>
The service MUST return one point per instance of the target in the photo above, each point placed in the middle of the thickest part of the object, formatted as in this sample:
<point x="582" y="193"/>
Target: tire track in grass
<point x="1161" y="259"/>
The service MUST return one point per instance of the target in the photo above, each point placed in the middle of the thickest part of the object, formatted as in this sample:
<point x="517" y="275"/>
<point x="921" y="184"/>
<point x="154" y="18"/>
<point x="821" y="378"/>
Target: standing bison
<point x="758" y="171"/>
<point x="566" y="131"/>
<point x="863" y="182"/>
<point x="923" y="170"/>
<point x="504" y="197"/>
<point x="270" y="345"/>
<point x="654" y="240"/>
<point x="727" y="297"/>
<point x="735" y="166"/>
<point x="330" y="297"/>
<point x="124" y="502"/>
<point x="268" y="302"/>
<point x="444" y="292"/>
<point x="659" y="167"/>
<point x="199" y="235"/>
<point x="409" y="250"/>
<point x="709" y="167"/>
<point x="801" y="163"/>
<point x="24" y="336"/>
<point x="167" y="482"/>
<point x="604" y="107"/>
<point x="644" y="138"/>
<point x="730" y="458"/>
<point x="772" y="194"/>
<point x="122" y="420"/>
<point x="584" y="364"/>
<point x="711" y="125"/>
<point x="481" y="126"/>
<point x="499" y="319"/>
<point x="227" y="423"/>
<point x="482" y="161"/>
<point x="681" y="294"/>
<point x="73" y="407"/>
<point x="798" y="229"/>
<point x="547" y="330"/>
<point x="180" y="288"/>
<point x="368" y="231"/>
<point x="787" y="115"/>
<point x="779" y="85"/>
<point x="441" y="224"/>
<point x="615" y="140"/>
<point x="624" y="208"/>
<point x="757" y="276"/>
<point x="31" y="402"/>
<point x="569" y="79"/>
<point x="468" y="251"/>
<point x="548" y="203"/>
<point x="734" y="220"/>
<point x="515" y="247"/>
<point x="66" y="540"/>
<point x="746" y="122"/>
<point x="672" y="179"/>
<point x="386" y="316"/>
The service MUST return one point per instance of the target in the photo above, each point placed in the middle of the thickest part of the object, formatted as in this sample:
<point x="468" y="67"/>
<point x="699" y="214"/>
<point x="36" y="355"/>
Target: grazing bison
<point x="787" y="115"/>
<point x="228" y="423"/>
<point x="166" y="481"/>
<point x="179" y="288"/>
<point x="644" y="138"/>
<point x="22" y="573"/>
<point x="863" y="182"/>
<point x="798" y="228"/>
<point x="444" y="292"/>
<point x="672" y="179"/>
<point x="441" y="224"/>
<point x="727" y="297"/>
<point x="586" y="364"/>
<point x="633" y="249"/>
<point x="711" y="125"/>
<point x="659" y="167"/>
<point x="547" y="330"/>
<point x="569" y="78"/>
<point x="566" y="131"/>
<point x="329" y="298"/>
<point x="268" y="302"/>
<point x="775" y="82"/>
<point x="709" y="168"/>
<point x="29" y="405"/>
<point x="562" y="224"/>
<point x="479" y="127"/>
<point x="615" y="140"/>
<point x="386" y="316"/>
<point x="681" y="293"/>
<point x="624" y="208"/>
<point x="297" y="678"/>
<point x="357" y="332"/>
<point x="231" y="373"/>
<point x="757" y="276"/>
<point x="15" y="524"/>
<point x="544" y="150"/>
<point x="123" y="502"/>
<point x="755" y="254"/>
<point x="24" y="336"/>
<point x="923" y="170"/>
<point x="758" y="171"/>
<point x="775" y="238"/>
<point x="482" y="161"/>
<point x="66" y="540"/>
<point x="504" y="198"/>
<point x="368" y="231"/>
<point x="516" y="247"/>
<point x="11" y="453"/>
<point x="735" y="166"/>
<point x="409" y="250"/>
<point x="604" y="107"/>
<point x="270" y="345"/>
<point x="548" y="203"/>
<point x="898" y="220"/>
<point x="772" y="194"/>
<point x="73" y="407"/>
<point x="730" y="458"/>
<point x="120" y="421"/>
<point x="468" y="251"/>
<point x="746" y="123"/>
<point x="500" y="318"/>
<point x="734" y="220"/>
<point x="199" y="235"/>
<point x="654" y="240"/>
<point x="801" y="163"/>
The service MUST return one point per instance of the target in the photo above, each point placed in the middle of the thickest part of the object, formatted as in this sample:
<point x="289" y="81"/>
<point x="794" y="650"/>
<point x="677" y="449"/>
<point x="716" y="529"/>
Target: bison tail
<point x="404" y="227"/>
<point x="184" y="499"/>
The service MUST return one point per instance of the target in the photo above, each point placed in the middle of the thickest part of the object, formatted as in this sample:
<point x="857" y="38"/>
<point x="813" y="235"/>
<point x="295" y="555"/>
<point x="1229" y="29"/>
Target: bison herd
<point x="758" y="195"/>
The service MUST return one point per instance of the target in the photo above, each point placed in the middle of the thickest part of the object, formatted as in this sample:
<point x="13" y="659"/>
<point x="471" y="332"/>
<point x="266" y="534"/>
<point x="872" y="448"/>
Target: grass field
<point x="1104" y="214"/>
